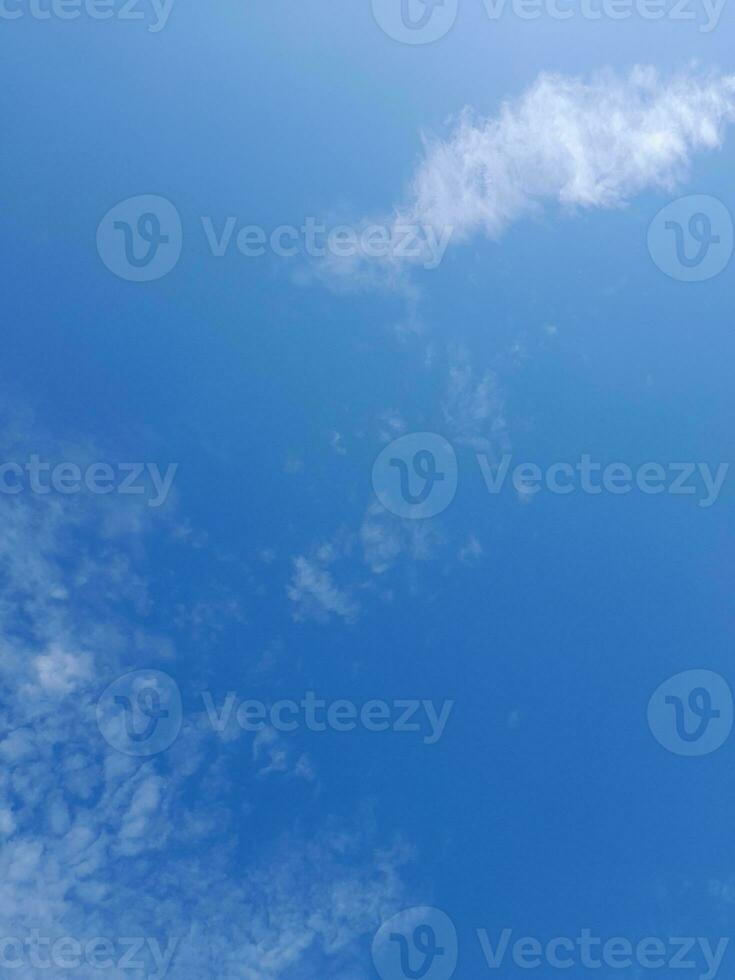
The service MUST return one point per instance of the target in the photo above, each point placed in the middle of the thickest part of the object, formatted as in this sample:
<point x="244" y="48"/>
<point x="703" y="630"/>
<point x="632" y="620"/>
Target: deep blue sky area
<point x="565" y="789"/>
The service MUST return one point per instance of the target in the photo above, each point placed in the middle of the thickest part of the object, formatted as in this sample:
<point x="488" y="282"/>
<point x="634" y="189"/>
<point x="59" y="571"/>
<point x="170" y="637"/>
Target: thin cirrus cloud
<point x="565" y="142"/>
<point x="580" y="144"/>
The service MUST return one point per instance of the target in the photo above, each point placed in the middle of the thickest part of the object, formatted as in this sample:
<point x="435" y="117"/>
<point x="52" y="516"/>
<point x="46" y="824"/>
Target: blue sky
<point x="526" y="632"/>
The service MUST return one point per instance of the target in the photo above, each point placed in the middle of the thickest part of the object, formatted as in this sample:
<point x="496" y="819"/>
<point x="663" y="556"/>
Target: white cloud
<point x="473" y="407"/>
<point x="60" y="672"/>
<point x="391" y="425"/>
<point x="385" y="538"/>
<point x="272" y="753"/>
<point x="315" y="593"/>
<point x="580" y="144"/>
<point x="471" y="550"/>
<point x="337" y="443"/>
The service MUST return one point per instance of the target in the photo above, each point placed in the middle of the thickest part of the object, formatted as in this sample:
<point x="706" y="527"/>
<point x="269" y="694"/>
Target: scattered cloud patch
<point x="473" y="406"/>
<point x="471" y="550"/>
<point x="314" y="592"/>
